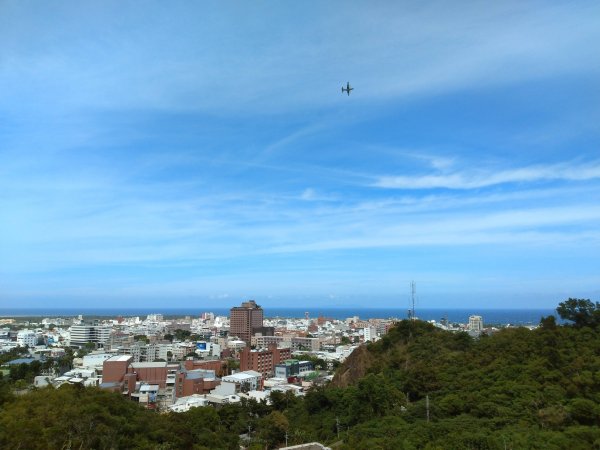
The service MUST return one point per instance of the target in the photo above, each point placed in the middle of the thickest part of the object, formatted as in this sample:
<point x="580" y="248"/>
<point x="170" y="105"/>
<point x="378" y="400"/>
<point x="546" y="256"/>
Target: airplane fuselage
<point x="347" y="89"/>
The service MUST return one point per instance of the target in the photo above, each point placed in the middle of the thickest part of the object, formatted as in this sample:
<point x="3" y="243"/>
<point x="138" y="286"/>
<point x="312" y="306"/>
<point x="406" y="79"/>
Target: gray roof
<point x="21" y="361"/>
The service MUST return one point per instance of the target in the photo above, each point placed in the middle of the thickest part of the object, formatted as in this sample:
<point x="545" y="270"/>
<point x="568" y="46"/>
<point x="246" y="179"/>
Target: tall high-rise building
<point x="475" y="323"/>
<point x="245" y="320"/>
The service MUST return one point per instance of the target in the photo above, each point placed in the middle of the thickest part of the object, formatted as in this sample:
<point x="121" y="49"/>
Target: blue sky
<point x="189" y="154"/>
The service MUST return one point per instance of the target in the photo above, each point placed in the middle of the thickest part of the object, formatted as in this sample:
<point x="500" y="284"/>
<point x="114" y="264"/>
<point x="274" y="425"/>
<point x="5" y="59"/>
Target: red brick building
<point x="245" y="319"/>
<point x="119" y="368"/>
<point x="198" y="381"/>
<point x="198" y="377"/>
<point x="263" y="361"/>
<point x="217" y="365"/>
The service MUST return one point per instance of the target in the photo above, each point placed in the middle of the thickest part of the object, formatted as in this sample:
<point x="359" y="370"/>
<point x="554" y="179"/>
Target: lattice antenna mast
<point x="413" y="293"/>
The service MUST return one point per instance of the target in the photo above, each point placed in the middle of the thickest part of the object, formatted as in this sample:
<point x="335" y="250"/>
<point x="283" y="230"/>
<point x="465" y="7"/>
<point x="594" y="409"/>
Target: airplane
<point x="347" y="88"/>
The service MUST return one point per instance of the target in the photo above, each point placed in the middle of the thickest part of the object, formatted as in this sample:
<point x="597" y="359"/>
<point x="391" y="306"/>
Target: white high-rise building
<point x="82" y="334"/>
<point x="370" y="333"/>
<point x="475" y="323"/>
<point x="27" y="338"/>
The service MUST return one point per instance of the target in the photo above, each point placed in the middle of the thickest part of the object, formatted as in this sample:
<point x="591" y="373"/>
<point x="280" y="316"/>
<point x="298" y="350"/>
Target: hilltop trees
<point x="583" y="313"/>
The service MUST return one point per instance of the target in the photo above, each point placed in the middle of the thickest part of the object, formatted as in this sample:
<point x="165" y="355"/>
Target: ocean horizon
<point x="459" y="315"/>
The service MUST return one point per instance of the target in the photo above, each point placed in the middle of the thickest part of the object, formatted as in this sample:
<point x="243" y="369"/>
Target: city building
<point x="475" y="323"/>
<point x="370" y="333"/>
<point x="264" y="360"/>
<point x="184" y="404"/>
<point x="246" y="320"/>
<point x="215" y="365"/>
<point x="198" y="381"/>
<point x="248" y="380"/>
<point x="293" y="368"/>
<point x="305" y="344"/>
<point x="27" y="338"/>
<point x="265" y="341"/>
<point x="89" y="333"/>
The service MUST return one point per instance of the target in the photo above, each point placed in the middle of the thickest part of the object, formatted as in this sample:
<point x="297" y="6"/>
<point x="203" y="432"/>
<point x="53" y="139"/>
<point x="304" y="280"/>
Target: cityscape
<point x="175" y="364"/>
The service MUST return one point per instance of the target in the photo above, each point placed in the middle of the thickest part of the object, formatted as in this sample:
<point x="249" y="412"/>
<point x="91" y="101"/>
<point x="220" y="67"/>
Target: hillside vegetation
<point x="419" y="387"/>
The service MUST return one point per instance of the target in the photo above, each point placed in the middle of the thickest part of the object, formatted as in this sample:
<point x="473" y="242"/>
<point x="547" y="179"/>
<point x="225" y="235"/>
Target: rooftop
<point x="20" y="361"/>
<point x="149" y="388"/>
<point x="242" y="376"/>
<point x="148" y="365"/>
<point x="120" y="358"/>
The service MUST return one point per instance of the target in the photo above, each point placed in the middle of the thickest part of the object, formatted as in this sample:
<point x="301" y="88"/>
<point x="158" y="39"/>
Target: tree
<point x="273" y="428"/>
<point x="548" y="323"/>
<point x="584" y="411"/>
<point x="582" y="312"/>
<point x="86" y="349"/>
<point x="345" y="340"/>
<point x="182" y="335"/>
<point x="142" y="338"/>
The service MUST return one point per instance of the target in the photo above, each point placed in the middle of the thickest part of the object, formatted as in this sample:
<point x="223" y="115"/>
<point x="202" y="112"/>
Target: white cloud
<point x="308" y="194"/>
<point x="478" y="178"/>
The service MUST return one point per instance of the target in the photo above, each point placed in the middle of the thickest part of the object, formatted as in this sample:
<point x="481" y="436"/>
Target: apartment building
<point x="27" y="338"/>
<point x="89" y="333"/>
<point x="264" y="360"/>
<point x="244" y="320"/>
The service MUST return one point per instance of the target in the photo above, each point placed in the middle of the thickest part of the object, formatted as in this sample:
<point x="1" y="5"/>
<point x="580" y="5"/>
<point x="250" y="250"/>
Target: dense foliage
<point x="581" y="312"/>
<point x="76" y="417"/>
<point x="419" y="387"/>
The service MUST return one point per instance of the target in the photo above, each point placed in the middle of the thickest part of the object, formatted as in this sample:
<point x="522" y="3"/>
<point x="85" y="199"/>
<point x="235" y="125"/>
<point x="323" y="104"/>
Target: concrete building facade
<point x="83" y="334"/>
<point x="27" y="338"/>
<point x="475" y="323"/>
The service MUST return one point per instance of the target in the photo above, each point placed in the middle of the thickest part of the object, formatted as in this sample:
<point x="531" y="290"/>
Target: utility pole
<point x="286" y="439"/>
<point x="337" y="421"/>
<point x="427" y="406"/>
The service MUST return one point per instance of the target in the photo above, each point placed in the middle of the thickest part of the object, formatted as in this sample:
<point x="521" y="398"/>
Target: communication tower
<point x="413" y="293"/>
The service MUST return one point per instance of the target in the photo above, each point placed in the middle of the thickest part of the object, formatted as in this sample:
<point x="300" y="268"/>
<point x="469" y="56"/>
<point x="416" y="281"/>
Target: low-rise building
<point x="184" y="404"/>
<point x="27" y="338"/>
<point x="293" y="368"/>
<point x="248" y="380"/>
<point x="198" y="381"/>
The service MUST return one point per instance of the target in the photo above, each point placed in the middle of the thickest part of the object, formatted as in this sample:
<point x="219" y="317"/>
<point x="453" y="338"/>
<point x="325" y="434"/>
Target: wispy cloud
<point x="478" y="178"/>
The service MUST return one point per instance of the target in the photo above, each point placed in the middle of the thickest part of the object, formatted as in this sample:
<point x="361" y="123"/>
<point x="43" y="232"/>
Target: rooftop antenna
<point x="413" y="292"/>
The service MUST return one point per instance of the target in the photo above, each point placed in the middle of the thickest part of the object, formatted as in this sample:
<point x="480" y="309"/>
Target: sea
<point x="490" y="316"/>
